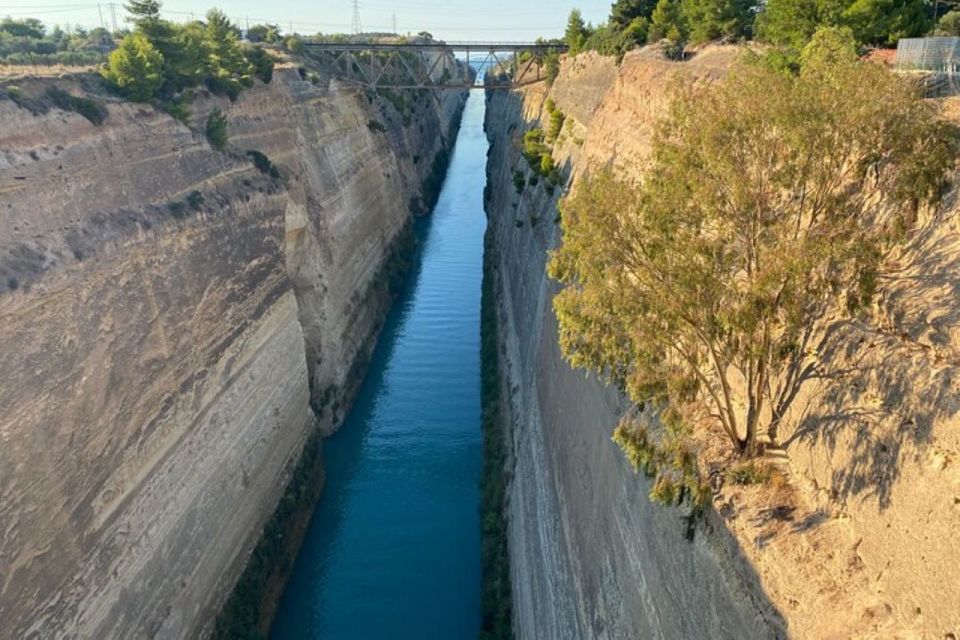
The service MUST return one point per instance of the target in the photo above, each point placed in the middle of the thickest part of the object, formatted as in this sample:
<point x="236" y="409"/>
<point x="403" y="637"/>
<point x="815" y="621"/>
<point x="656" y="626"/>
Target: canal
<point x="393" y="550"/>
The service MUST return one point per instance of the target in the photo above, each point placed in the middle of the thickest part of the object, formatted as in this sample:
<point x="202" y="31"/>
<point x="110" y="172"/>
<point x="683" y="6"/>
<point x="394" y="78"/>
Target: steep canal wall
<point x="870" y="442"/>
<point x="591" y="556"/>
<point x="168" y="315"/>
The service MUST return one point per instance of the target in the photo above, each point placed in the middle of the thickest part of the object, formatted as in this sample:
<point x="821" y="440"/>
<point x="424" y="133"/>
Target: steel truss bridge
<point x="432" y="65"/>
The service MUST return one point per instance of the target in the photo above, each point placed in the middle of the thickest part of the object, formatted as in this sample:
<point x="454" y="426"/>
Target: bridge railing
<point x="408" y="65"/>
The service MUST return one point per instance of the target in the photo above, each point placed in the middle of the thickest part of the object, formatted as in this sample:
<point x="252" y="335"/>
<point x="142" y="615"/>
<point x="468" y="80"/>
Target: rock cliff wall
<point x="861" y="540"/>
<point x="157" y="300"/>
<point x="591" y="557"/>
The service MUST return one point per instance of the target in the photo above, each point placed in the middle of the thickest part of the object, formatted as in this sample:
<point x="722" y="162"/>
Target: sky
<point x="487" y="20"/>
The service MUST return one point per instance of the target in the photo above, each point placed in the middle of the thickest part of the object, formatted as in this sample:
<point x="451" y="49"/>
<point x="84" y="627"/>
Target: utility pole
<point x="113" y="17"/>
<point x="103" y="39"/>
<point x="395" y="24"/>
<point x="357" y="26"/>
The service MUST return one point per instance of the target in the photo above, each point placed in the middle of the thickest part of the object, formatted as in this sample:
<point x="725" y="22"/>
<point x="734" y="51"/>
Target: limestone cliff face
<point x="591" y="557"/>
<point x="157" y="299"/>
<point x="861" y="542"/>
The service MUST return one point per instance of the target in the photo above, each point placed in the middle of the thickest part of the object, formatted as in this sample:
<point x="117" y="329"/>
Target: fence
<point x="928" y="54"/>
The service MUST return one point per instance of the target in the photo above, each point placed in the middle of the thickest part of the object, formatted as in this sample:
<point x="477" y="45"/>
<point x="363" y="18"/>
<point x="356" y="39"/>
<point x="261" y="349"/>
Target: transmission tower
<point x="357" y="26"/>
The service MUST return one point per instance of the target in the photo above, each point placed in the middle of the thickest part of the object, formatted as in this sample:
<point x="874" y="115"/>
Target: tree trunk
<point x="774" y="426"/>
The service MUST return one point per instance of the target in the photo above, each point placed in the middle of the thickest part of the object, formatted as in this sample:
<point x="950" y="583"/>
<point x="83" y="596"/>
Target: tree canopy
<point x="707" y="20"/>
<point x="576" y="33"/>
<point x="28" y="41"/>
<point x="883" y="22"/>
<point x="135" y="68"/>
<point x="949" y="24"/>
<point x="697" y="289"/>
<point x="202" y="52"/>
<point x="623" y="12"/>
<point x="787" y="24"/>
<point x="791" y="23"/>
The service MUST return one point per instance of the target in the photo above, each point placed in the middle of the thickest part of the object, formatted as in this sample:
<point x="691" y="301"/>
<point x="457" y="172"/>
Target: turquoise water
<point x="393" y="550"/>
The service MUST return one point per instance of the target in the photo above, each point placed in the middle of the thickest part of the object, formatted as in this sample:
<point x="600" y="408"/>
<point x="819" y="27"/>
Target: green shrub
<point x="556" y="125"/>
<point x="551" y="63"/>
<point x="949" y="24"/>
<point x="217" y="130"/>
<point x="263" y="164"/>
<point x="828" y="47"/>
<point x="376" y="125"/>
<point x="135" y="68"/>
<point x="295" y="45"/>
<point x="22" y="100"/>
<point x="495" y="602"/>
<point x="749" y="472"/>
<point x="262" y="63"/>
<point x="610" y="40"/>
<point x="90" y="109"/>
<point x="195" y="200"/>
<point x="177" y="209"/>
<point x="518" y="181"/>
<point x="547" y="165"/>
<point x="533" y="146"/>
<point x="177" y="108"/>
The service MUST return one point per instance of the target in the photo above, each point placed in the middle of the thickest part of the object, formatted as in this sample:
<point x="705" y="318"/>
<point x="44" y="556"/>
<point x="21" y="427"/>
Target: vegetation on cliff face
<point x="248" y="611"/>
<point x="770" y="201"/>
<point x="496" y="609"/>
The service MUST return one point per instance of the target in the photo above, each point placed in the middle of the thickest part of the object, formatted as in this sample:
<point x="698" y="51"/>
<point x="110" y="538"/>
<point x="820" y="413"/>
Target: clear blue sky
<point x="499" y="20"/>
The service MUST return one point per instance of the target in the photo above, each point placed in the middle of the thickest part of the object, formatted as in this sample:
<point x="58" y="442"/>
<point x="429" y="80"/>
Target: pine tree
<point x="135" y="68"/>
<point x="229" y="69"/>
<point x="666" y="20"/>
<point x="624" y="12"/>
<point x="576" y="33"/>
<point x="883" y="22"/>
<point x="788" y="23"/>
<point x="715" y="19"/>
<point x="143" y="10"/>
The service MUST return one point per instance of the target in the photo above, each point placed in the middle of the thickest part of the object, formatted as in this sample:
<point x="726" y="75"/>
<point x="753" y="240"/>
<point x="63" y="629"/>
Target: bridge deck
<point x="432" y="65"/>
<point x="356" y="47"/>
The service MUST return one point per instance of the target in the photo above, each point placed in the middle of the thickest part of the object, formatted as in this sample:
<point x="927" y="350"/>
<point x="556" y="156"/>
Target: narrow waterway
<point x="393" y="550"/>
